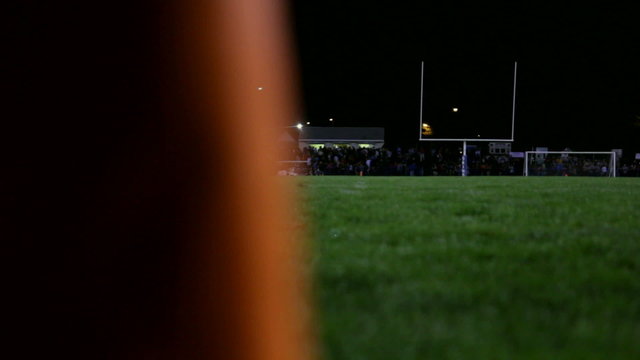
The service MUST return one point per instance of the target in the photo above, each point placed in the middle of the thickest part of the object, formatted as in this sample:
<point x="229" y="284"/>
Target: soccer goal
<point x="570" y="163"/>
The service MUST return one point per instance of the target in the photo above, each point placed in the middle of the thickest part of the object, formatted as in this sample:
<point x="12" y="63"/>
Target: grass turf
<point x="476" y="267"/>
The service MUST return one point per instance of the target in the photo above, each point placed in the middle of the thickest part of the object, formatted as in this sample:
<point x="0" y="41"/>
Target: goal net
<point x="570" y="163"/>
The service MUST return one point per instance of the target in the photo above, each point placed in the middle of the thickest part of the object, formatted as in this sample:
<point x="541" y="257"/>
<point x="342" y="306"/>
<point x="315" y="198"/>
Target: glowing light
<point x="260" y="88"/>
<point x="455" y="109"/>
<point x="299" y="126"/>
<point x="308" y="122"/>
<point x="330" y="119"/>
<point x="426" y="129"/>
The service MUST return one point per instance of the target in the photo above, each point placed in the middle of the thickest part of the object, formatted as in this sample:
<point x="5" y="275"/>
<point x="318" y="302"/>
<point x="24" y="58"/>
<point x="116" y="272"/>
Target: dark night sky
<point x="578" y="69"/>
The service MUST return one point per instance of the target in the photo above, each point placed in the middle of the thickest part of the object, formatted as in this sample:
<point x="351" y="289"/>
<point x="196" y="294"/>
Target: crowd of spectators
<point x="346" y="160"/>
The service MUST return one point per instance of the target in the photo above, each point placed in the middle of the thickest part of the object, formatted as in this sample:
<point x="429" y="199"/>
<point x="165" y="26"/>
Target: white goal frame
<point x="612" y="161"/>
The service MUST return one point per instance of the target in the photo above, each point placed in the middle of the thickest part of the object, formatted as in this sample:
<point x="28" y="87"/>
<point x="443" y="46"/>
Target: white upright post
<point x="464" y="158"/>
<point x="614" y="164"/>
<point x="513" y="107"/>
<point x="421" y="96"/>
<point x="526" y="163"/>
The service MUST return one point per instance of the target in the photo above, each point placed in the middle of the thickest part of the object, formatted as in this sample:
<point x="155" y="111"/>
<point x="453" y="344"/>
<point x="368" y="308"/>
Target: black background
<point x="103" y="167"/>
<point x="578" y="73"/>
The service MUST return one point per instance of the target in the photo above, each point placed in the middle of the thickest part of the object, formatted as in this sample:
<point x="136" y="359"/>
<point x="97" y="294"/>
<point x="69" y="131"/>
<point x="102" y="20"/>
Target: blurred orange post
<point x="142" y="195"/>
<point x="247" y="292"/>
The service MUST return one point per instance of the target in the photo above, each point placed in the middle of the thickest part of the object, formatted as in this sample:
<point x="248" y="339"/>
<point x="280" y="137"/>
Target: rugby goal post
<point x="570" y="163"/>
<point x="463" y="159"/>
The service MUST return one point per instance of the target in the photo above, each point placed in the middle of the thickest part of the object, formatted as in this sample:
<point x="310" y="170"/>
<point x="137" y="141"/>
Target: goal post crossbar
<point x="612" y="161"/>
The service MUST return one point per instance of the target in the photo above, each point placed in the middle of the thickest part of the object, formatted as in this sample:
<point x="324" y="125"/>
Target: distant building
<point x="358" y="137"/>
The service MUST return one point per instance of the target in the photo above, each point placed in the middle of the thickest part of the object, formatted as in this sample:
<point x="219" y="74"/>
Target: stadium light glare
<point x="426" y="129"/>
<point x="299" y="126"/>
<point x="455" y="109"/>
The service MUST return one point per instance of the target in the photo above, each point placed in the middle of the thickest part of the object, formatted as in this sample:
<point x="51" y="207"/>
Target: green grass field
<point x="476" y="267"/>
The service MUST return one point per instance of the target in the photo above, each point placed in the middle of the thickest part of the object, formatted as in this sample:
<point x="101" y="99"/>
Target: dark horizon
<point x="578" y="79"/>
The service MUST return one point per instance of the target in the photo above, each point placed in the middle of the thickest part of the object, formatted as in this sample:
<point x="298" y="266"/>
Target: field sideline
<point x="476" y="267"/>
